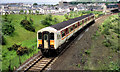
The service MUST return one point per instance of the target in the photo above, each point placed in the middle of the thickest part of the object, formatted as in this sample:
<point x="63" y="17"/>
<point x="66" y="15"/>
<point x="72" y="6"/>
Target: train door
<point x="45" y="40"/>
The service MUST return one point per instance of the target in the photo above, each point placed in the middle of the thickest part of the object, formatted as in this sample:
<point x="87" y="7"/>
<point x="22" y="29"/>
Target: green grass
<point x="23" y="37"/>
<point x="106" y="46"/>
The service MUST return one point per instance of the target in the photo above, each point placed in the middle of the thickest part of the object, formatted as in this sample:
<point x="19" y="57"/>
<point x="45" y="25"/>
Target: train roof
<point x="68" y="22"/>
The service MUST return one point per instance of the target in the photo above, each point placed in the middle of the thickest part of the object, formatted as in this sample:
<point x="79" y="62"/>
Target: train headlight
<point x="40" y="46"/>
<point x="51" y="46"/>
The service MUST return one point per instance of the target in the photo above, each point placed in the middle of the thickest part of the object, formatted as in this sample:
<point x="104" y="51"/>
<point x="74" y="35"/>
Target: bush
<point x="106" y="31"/>
<point x="66" y="16"/>
<point x="28" y="25"/>
<point x="87" y="52"/>
<point x="22" y="50"/>
<point x="49" y="17"/>
<point x="25" y="22"/>
<point x="7" y="29"/>
<point x="45" y="22"/>
<point x="14" y="47"/>
<point x="3" y="41"/>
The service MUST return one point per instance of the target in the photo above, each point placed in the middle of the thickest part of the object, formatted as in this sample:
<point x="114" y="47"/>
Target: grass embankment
<point x="22" y="37"/>
<point x="105" y="47"/>
<point x="74" y="14"/>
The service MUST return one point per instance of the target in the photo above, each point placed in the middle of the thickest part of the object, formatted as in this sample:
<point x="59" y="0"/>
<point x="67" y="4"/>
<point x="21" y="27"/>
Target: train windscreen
<point x="51" y="36"/>
<point x="39" y="35"/>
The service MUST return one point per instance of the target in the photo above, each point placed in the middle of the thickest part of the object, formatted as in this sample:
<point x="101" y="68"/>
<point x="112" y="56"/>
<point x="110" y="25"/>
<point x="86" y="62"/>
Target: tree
<point x="66" y="16"/>
<point x="35" y="4"/>
<point x="27" y="24"/>
<point x="21" y="11"/>
<point x="7" y="29"/>
<point x="49" y="17"/>
<point x="37" y="12"/>
<point x="29" y="11"/>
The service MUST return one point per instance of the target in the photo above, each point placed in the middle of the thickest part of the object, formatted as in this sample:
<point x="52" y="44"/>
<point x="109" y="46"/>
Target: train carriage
<point x="52" y="37"/>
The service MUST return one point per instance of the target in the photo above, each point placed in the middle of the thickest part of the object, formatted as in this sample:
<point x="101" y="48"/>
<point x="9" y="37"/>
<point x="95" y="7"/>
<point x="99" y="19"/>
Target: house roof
<point x="69" y="22"/>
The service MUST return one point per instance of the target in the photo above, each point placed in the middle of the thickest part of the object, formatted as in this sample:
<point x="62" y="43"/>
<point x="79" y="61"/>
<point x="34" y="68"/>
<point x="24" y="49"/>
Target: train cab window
<point x="45" y="37"/>
<point x="39" y="35"/>
<point x="51" y="36"/>
<point x="63" y="33"/>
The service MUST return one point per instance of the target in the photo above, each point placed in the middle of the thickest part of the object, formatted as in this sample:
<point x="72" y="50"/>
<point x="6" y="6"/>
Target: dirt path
<point x="78" y="57"/>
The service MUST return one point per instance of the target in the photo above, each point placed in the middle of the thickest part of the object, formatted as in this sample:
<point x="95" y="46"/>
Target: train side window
<point x="82" y="21"/>
<point x="86" y="20"/>
<point x="51" y="36"/>
<point x="71" y="28"/>
<point x="91" y="17"/>
<point x="66" y="31"/>
<point x="63" y="33"/>
<point x="39" y="35"/>
<point x="78" y="23"/>
<point x="75" y="25"/>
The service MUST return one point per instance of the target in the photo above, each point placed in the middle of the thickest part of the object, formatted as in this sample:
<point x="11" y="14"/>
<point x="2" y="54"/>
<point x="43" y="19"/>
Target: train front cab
<point x="46" y="41"/>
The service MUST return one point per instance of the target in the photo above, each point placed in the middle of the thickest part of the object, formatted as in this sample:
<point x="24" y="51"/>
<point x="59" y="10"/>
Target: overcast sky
<point x="33" y="1"/>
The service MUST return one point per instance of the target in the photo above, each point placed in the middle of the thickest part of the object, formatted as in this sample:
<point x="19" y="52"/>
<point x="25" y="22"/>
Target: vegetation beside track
<point x="74" y="14"/>
<point x="106" y="45"/>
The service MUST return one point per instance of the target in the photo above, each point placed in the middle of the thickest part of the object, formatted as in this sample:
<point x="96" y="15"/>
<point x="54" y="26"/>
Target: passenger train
<point x="51" y="38"/>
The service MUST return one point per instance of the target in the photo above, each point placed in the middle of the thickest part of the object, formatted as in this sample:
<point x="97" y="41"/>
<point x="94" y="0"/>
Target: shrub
<point x="106" y="31"/>
<point x="28" y="25"/>
<point x="49" y="17"/>
<point x="115" y="48"/>
<point x="3" y="40"/>
<point x="87" y="52"/>
<point x="45" y="22"/>
<point x="108" y="42"/>
<point x="14" y="47"/>
<point x="25" y="22"/>
<point x="7" y="29"/>
<point x="66" y="16"/>
<point x="22" y="50"/>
